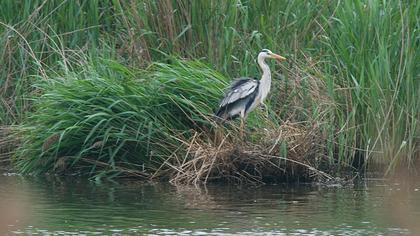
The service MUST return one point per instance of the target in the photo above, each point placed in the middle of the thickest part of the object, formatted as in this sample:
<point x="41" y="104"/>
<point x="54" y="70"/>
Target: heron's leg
<point x="242" y="127"/>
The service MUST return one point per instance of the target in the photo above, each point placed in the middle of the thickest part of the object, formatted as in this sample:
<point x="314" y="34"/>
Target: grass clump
<point x="113" y="118"/>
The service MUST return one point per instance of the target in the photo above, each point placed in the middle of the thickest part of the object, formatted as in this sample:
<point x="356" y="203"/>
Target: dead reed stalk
<point x="252" y="162"/>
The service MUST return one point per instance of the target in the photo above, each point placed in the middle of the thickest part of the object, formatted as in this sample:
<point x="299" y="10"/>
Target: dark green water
<point x="45" y="207"/>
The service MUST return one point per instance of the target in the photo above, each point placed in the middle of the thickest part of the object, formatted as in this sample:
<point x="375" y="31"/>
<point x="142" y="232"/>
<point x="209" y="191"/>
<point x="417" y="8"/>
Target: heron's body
<point x="240" y="98"/>
<point x="245" y="94"/>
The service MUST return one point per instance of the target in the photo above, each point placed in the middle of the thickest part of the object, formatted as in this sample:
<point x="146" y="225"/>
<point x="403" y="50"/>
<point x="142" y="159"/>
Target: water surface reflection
<point x="84" y="207"/>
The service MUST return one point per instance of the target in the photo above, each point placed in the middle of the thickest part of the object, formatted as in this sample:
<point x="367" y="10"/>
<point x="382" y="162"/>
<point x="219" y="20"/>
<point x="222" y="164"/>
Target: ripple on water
<point x="82" y="207"/>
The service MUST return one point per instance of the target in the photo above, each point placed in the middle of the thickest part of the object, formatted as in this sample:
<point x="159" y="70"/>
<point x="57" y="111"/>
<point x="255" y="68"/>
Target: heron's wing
<point x="239" y="89"/>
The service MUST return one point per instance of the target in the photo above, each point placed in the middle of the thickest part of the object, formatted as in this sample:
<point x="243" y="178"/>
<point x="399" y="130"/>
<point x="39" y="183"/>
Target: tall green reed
<point x="373" y="45"/>
<point x="365" y="51"/>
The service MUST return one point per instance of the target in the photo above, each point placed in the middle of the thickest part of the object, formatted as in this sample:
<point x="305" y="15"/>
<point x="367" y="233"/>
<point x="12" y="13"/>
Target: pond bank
<point x="96" y="90"/>
<point x="107" y="126"/>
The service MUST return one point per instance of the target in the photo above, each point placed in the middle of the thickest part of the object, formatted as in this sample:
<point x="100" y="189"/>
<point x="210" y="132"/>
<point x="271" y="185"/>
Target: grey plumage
<point x="238" y="98"/>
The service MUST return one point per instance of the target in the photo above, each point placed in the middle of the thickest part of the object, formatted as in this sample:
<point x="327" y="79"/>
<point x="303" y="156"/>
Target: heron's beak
<point x="277" y="57"/>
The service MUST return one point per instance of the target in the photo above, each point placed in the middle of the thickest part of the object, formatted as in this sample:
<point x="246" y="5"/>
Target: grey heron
<point x="245" y="93"/>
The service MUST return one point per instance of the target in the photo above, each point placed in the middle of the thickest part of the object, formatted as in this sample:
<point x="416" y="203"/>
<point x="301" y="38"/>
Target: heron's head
<point x="265" y="53"/>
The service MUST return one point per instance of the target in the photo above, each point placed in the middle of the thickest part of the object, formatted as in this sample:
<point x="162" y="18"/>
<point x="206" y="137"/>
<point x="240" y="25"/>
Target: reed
<point x="365" y="53"/>
<point x="373" y="48"/>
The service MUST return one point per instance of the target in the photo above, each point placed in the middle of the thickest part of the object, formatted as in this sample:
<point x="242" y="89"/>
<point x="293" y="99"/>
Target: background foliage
<point x="364" y="52"/>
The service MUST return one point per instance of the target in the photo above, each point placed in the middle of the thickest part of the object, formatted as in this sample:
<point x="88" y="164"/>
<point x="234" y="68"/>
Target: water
<point x="66" y="207"/>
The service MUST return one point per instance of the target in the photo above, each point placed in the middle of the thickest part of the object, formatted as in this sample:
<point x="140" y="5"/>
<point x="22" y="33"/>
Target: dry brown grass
<point x="254" y="162"/>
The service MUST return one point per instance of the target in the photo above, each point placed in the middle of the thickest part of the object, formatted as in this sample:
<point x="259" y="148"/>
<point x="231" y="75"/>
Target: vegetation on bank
<point x="112" y="118"/>
<point x="86" y="85"/>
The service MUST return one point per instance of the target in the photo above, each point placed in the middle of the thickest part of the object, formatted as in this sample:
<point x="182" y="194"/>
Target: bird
<point x="245" y="94"/>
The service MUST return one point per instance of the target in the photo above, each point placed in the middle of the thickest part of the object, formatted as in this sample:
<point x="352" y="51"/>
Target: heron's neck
<point x="265" y="82"/>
